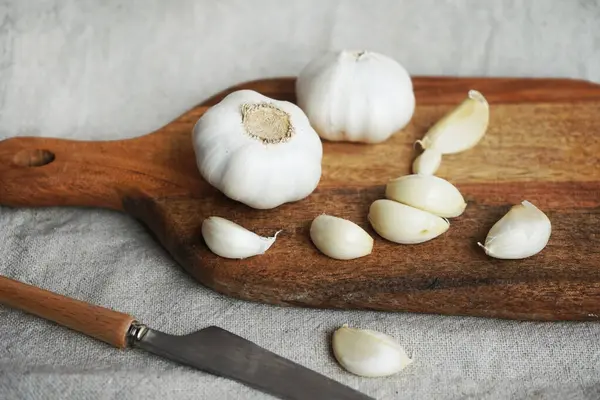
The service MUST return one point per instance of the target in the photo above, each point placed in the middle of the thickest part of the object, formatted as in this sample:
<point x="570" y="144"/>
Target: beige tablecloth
<point x="116" y="69"/>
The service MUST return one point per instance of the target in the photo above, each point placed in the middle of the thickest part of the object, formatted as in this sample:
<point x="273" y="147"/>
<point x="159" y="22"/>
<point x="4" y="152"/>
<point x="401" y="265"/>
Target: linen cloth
<point x="116" y="69"/>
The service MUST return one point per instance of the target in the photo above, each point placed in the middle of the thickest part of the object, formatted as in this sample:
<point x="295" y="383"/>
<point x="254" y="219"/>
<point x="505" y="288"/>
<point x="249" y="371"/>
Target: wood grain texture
<point x="98" y="322"/>
<point x="542" y="145"/>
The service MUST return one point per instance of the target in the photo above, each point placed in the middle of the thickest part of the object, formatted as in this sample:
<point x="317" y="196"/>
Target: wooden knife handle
<point x="98" y="322"/>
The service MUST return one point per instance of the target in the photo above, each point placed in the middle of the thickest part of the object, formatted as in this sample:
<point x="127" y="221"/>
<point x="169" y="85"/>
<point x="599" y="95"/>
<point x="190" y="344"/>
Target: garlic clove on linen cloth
<point x="230" y="240"/>
<point x="368" y="353"/>
<point x="356" y="96"/>
<point x="522" y="232"/>
<point x="258" y="151"/>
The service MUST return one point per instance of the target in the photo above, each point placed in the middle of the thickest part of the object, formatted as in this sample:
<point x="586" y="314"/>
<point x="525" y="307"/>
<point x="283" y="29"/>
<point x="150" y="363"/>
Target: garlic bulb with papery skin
<point x="230" y="240"/>
<point x="404" y="224"/>
<point x="340" y="238"/>
<point x="461" y="128"/>
<point x="428" y="162"/>
<point x="257" y="150"/>
<point x="368" y="353"/>
<point x="356" y="96"/>
<point x="522" y="232"/>
<point x="428" y="193"/>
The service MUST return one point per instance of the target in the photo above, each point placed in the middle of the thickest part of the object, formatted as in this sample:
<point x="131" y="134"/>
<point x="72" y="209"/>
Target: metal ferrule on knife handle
<point x="136" y="332"/>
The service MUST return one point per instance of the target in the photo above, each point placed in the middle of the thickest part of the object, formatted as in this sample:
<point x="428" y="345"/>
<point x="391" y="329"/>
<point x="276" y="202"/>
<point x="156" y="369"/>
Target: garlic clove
<point x="428" y="162"/>
<point x="404" y="224"/>
<point x="340" y="238"/>
<point x="522" y="232"/>
<point x="230" y="240"/>
<point x="460" y="129"/>
<point x="428" y="193"/>
<point x="368" y="353"/>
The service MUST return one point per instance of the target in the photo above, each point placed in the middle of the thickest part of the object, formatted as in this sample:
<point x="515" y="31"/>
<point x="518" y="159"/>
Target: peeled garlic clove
<point x="230" y="240"/>
<point x="339" y="238"/>
<point x="428" y="162"/>
<point x="462" y="128"/>
<point x="428" y="193"/>
<point x="368" y="353"/>
<point x="404" y="224"/>
<point x="522" y="232"/>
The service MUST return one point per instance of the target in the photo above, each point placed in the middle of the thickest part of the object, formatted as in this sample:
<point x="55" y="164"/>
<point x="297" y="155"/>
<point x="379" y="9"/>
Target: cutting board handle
<point x="44" y="172"/>
<point x="98" y="322"/>
<point x="59" y="172"/>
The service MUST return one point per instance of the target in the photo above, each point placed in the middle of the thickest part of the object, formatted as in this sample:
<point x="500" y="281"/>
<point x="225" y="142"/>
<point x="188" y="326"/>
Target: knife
<point x="213" y="350"/>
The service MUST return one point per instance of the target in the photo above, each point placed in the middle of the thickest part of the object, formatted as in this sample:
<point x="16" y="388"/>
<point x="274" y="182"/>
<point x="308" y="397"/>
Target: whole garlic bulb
<point x="356" y="96"/>
<point x="257" y="150"/>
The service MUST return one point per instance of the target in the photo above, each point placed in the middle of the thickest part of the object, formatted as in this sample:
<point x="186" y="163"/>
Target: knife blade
<point x="213" y="349"/>
<point x="223" y="353"/>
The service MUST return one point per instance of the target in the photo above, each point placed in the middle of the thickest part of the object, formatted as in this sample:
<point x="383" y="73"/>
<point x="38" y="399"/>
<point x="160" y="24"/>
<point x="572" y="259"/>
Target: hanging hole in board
<point x="33" y="158"/>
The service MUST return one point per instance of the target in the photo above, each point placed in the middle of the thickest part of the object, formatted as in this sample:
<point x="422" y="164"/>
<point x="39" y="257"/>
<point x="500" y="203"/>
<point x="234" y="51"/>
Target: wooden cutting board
<point x="543" y="145"/>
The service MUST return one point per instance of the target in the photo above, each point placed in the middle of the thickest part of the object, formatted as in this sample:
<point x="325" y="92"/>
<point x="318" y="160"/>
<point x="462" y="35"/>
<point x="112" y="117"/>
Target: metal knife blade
<point x="225" y="354"/>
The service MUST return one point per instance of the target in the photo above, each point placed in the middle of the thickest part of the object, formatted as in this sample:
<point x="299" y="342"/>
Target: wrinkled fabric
<point x="116" y="69"/>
